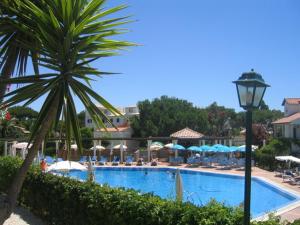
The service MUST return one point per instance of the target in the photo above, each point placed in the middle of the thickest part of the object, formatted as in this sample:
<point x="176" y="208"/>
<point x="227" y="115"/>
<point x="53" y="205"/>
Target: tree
<point x="86" y="133"/>
<point x="14" y="56"/>
<point x="81" y="118"/>
<point x="23" y="113"/>
<point x="165" y="115"/>
<point x="219" y="117"/>
<point x="9" y="127"/>
<point x="71" y="34"/>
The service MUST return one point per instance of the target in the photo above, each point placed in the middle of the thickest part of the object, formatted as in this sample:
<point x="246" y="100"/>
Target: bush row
<point x="265" y="157"/>
<point x="60" y="200"/>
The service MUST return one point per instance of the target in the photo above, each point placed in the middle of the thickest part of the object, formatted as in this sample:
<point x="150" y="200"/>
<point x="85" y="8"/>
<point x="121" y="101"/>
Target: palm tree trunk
<point x="7" y="206"/>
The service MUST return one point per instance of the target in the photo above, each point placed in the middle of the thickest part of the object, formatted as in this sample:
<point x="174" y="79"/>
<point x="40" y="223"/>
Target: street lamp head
<point x="251" y="88"/>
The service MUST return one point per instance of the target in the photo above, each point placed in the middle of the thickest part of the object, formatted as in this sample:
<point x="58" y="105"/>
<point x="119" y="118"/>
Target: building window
<point x="130" y="110"/>
<point x="118" y="120"/>
<point x="89" y="120"/>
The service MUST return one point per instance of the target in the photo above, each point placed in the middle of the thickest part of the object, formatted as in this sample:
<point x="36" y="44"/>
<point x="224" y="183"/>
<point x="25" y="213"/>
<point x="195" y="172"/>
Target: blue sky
<point x="194" y="49"/>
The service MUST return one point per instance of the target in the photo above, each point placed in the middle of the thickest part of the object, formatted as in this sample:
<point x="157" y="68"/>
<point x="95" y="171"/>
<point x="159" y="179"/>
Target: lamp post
<point x="251" y="88"/>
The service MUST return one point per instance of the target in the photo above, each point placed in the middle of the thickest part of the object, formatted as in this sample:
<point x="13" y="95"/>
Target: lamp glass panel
<point x="258" y="96"/>
<point x="242" y="90"/>
<point x="246" y="95"/>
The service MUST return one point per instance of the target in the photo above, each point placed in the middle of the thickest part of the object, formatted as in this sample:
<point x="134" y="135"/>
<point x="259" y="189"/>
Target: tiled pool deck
<point x="289" y="213"/>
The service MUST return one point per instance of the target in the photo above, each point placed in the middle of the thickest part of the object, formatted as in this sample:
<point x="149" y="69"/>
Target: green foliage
<point x="67" y="36"/>
<point x="50" y="149"/>
<point x="86" y="133"/>
<point x="265" y="157"/>
<point x="23" y="113"/>
<point x="81" y="118"/>
<point x="220" y="119"/>
<point x="165" y="115"/>
<point x="296" y="222"/>
<point x="10" y="128"/>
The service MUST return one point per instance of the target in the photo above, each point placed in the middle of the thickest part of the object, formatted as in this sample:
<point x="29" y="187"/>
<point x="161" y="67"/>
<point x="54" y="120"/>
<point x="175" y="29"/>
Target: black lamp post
<point x="251" y="88"/>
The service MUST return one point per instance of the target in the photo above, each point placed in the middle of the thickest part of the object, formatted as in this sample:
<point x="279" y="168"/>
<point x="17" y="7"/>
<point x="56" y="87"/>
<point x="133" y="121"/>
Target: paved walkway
<point x="22" y="216"/>
<point x="291" y="215"/>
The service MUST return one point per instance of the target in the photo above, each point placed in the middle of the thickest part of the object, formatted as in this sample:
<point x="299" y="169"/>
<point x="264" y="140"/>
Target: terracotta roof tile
<point x="187" y="133"/>
<point x="288" y="119"/>
<point x="291" y="101"/>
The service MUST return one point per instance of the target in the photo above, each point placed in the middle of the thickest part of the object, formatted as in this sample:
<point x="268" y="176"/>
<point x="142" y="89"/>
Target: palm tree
<point x="13" y="55"/>
<point x="71" y="34"/>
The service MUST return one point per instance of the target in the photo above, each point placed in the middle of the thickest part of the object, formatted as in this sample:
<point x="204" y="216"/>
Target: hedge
<point x="61" y="200"/>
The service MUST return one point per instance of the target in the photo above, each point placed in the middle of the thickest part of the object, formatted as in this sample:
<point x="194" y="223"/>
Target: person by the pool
<point x="43" y="165"/>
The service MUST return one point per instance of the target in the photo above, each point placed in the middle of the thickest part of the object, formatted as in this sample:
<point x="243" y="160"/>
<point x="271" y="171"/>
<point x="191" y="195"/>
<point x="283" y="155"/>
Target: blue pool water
<point x="199" y="187"/>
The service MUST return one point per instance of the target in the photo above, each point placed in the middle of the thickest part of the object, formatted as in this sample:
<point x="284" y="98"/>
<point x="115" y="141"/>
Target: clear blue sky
<point x="193" y="50"/>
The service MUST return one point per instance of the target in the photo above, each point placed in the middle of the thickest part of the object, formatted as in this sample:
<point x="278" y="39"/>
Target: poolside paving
<point x="291" y="215"/>
<point x="22" y="216"/>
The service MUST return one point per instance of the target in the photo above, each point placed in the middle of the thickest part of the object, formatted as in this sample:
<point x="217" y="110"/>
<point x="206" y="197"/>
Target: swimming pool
<point x="199" y="187"/>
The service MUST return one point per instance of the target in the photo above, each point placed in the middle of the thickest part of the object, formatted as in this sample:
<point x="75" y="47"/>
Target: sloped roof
<point x="187" y="133"/>
<point x="291" y="101"/>
<point x="288" y="119"/>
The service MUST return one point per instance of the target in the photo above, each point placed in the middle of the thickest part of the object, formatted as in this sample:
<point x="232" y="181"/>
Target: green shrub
<point x="61" y="200"/>
<point x="265" y="157"/>
<point x="296" y="222"/>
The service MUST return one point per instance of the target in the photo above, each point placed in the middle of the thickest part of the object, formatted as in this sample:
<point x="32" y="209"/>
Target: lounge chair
<point x="176" y="161"/>
<point x="207" y="162"/>
<point x="59" y="160"/>
<point x="49" y="160"/>
<point x="140" y="162"/>
<point x="190" y="160"/>
<point x="103" y="160"/>
<point x="154" y="162"/>
<point x="83" y="159"/>
<point x="116" y="161"/>
<point x="294" y="180"/>
<point x="128" y="161"/>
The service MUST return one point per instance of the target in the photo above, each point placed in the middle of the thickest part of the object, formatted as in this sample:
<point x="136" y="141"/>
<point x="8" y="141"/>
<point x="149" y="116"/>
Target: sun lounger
<point x="103" y="160"/>
<point x="83" y="159"/>
<point x="49" y="160"/>
<point x="194" y="161"/>
<point x="59" y="160"/>
<point x="116" y="161"/>
<point x="128" y="161"/>
<point x="176" y="161"/>
<point x="295" y="181"/>
<point x="154" y="162"/>
<point x="140" y="162"/>
<point x="207" y="162"/>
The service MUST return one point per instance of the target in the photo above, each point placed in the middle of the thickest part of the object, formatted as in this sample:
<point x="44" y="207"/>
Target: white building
<point x="118" y="121"/>
<point x="122" y="123"/>
<point x="289" y="125"/>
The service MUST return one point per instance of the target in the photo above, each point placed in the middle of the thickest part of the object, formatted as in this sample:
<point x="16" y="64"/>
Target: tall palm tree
<point x="13" y="56"/>
<point x="71" y="34"/>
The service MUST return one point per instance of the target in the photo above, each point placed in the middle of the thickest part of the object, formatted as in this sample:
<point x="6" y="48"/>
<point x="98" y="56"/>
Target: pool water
<point x="199" y="187"/>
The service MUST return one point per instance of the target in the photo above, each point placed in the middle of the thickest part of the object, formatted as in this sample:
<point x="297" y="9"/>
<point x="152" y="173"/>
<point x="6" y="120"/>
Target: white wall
<point x="116" y="120"/>
<point x="291" y="109"/>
